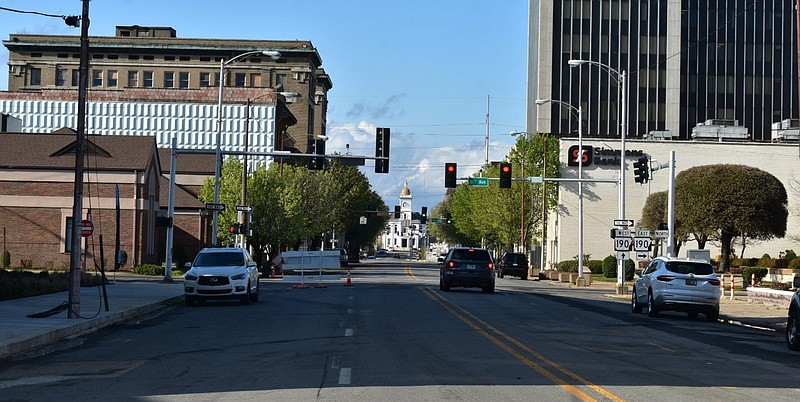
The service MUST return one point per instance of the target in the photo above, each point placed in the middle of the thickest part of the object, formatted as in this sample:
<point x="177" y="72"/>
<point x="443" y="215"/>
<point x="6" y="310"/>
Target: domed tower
<point x="405" y="202"/>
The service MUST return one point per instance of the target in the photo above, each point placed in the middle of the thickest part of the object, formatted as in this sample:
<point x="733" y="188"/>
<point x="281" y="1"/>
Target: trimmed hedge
<point x="17" y="284"/>
<point x="748" y="272"/>
<point x="610" y="268"/>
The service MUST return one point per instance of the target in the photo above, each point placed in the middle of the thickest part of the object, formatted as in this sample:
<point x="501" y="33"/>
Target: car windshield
<point x="471" y="254"/>
<point x="219" y="259"/>
<point x="684" y="267"/>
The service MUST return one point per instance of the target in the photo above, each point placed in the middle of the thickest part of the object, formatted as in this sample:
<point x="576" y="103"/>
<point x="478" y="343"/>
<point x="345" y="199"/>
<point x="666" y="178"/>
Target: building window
<point x="133" y="79"/>
<point x="205" y="79"/>
<point x="36" y="76"/>
<point x="280" y="80"/>
<point x="255" y="80"/>
<point x="61" y="77"/>
<point x="68" y="236"/>
<point x="148" y="57"/>
<point x="97" y="78"/>
<point x="76" y="77"/>
<point x="133" y="57"/>
<point x="148" y="79"/>
<point x="239" y="79"/>
<point x="183" y="79"/>
<point x="97" y="56"/>
<point x="169" y="58"/>
<point x="216" y="79"/>
<point x="113" y="56"/>
<point x="112" y="78"/>
<point x="184" y="58"/>
<point x="169" y="79"/>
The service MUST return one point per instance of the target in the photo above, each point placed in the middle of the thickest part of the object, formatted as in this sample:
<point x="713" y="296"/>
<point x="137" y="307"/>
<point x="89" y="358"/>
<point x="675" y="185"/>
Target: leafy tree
<point x="655" y="212"/>
<point x="729" y="201"/>
<point x="230" y="194"/>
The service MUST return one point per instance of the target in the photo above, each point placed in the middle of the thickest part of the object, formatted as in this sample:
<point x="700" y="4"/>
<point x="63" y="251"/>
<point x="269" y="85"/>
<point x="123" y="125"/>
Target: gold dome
<point x="405" y="191"/>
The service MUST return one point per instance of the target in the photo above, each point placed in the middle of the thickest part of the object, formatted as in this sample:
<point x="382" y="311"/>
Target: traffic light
<point x="505" y="175"/>
<point x="235" y="228"/>
<point x="382" y="149"/>
<point x="423" y="219"/>
<point x="450" y="173"/>
<point x="318" y="162"/>
<point x="641" y="170"/>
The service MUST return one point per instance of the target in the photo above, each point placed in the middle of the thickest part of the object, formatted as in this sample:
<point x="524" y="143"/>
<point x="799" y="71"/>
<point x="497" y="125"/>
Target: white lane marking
<point x="344" y="376"/>
<point x="348" y="332"/>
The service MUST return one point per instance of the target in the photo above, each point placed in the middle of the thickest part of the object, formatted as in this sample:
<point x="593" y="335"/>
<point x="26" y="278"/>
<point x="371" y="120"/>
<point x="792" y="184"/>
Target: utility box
<point x="699" y="254"/>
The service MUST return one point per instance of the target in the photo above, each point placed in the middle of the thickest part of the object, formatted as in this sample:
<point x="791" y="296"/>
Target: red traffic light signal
<point x="450" y="173"/>
<point x="505" y="175"/>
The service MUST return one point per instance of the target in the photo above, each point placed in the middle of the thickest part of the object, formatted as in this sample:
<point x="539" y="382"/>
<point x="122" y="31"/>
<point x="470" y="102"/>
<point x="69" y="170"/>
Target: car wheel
<point x="635" y="306"/>
<point x="524" y="276"/>
<point x="254" y="296"/>
<point x="793" y="331"/>
<point x="246" y="298"/>
<point x="189" y="301"/>
<point x="488" y="289"/>
<point x="652" y="310"/>
<point x="713" y="315"/>
<point x="692" y="314"/>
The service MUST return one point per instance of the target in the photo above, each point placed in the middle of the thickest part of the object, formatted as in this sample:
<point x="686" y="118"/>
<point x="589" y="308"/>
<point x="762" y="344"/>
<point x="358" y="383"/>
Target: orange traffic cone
<point x="349" y="282"/>
<point x="272" y="274"/>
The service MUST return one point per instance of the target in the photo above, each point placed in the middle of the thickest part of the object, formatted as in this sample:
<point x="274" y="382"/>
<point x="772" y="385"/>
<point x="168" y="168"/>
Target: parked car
<point x="793" y="322"/>
<point x="440" y="258"/>
<point x="677" y="284"/>
<point x="342" y="257"/>
<point x="221" y="273"/>
<point x="467" y="267"/>
<point x="514" y="264"/>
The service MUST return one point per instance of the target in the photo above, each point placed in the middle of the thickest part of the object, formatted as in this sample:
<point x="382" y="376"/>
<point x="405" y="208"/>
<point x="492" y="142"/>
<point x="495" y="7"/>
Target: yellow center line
<point x="410" y="274"/>
<point x="474" y="322"/>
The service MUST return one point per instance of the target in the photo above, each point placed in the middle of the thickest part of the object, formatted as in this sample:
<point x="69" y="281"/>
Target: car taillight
<point x="665" y="278"/>
<point x="491" y="266"/>
<point x="451" y="264"/>
<point x="714" y="282"/>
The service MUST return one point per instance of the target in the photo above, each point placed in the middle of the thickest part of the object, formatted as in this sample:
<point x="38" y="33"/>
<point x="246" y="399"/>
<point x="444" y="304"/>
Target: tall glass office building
<point x="685" y="62"/>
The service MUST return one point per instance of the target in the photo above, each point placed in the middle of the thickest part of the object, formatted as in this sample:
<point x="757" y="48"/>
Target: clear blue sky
<point x="424" y="68"/>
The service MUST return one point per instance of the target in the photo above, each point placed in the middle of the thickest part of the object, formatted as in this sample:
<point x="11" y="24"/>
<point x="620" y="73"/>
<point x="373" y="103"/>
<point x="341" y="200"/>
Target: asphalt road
<point x="394" y="336"/>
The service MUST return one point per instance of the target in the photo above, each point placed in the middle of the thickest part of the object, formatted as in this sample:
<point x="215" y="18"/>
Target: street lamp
<point x="222" y="64"/>
<point x="619" y="77"/>
<point x="576" y="111"/>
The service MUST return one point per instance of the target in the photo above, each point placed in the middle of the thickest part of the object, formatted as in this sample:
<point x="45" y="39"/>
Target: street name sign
<point x="479" y="181"/>
<point x="215" y="207"/>
<point x="623" y="222"/>
<point x="662" y="233"/>
<point x="641" y="243"/>
<point x="436" y="220"/>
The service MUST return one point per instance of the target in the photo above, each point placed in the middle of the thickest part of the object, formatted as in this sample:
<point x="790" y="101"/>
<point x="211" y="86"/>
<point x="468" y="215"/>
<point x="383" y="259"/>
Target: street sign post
<point x="215" y="207"/>
<point x="478" y="181"/>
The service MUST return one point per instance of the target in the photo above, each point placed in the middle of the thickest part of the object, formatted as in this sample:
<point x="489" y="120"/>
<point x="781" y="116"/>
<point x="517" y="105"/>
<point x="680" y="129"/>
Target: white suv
<point x="677" y="284"/>
<point x="221" y="273"/>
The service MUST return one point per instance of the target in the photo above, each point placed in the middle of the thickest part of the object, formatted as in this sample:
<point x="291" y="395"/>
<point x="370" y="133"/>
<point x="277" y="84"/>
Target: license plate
<point x="469" y="266"/>
<point x="691" y="282"/>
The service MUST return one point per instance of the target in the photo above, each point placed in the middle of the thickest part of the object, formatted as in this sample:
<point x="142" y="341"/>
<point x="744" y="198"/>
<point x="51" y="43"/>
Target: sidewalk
<point x="129" y="296"/>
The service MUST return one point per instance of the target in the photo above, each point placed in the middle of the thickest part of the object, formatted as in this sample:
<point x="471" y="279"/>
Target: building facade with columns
<point x="407" y="232"/>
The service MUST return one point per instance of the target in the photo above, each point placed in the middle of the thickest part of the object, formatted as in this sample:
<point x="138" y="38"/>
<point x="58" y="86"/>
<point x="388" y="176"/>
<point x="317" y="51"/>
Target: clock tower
<point x="405" y="203"/>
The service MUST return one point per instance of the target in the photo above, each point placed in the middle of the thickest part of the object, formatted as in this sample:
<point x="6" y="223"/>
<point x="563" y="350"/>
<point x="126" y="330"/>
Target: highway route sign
<point x="622" y="243"/>
<point x="641" y="243"/>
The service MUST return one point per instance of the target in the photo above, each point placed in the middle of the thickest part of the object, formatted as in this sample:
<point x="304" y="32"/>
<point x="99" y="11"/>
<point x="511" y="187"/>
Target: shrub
<point x="568" y="266"/>
<point x="781" y="263"/>
<point x="765" y="262"/>
<point x="748" y="272"/>
<point x="17" y="284"/>
<point x="780" y="286"/>
<point x="794" y="263"/>
<point x="149" y="269"/>
<point x="596" y="266"/>
<point x="610" y="266"/>
<point x="26" y="264"/>
<point x="788" y="254"/>
<point x="6" y="259"/>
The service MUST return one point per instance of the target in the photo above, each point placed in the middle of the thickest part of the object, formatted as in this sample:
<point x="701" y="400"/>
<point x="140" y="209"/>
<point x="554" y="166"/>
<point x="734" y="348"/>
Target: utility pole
<point x="77" y="207"/>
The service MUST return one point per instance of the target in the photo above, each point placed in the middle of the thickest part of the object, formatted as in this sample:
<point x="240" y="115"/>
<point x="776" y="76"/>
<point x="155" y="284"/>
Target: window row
<point x="99" y="78"/>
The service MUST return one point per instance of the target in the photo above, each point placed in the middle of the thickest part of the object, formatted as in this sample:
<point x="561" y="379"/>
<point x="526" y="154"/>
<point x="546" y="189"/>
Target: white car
<point x="677" y="284"/>
<point x="221" y="273"/>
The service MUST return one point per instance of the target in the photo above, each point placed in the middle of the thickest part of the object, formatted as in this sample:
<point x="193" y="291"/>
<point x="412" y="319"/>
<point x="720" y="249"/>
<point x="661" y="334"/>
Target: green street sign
<point x="479" y="181"/>
<point x="436" y="220"/>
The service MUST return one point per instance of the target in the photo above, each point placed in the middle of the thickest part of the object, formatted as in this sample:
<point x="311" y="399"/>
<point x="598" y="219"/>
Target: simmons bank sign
<point x="599" y="156"/>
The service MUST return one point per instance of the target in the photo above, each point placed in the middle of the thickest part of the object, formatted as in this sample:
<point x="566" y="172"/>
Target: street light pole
<point x="619" y="77"/>
<point x="576" y="111"/>
<point x="222" y="64"/>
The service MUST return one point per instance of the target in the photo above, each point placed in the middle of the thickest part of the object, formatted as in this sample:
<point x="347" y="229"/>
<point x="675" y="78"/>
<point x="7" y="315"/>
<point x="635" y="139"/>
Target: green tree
<point x="729" y="201"/>
<point x="655" y="212"/>
<point x="230" y="194"/>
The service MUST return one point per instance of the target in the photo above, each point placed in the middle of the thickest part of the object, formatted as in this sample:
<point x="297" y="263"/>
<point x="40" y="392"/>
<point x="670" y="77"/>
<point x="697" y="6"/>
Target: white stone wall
<point x="600" y="200"/>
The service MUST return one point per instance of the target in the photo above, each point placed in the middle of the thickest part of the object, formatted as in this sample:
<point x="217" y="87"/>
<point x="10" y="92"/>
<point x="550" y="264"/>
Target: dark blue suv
<point x="467" y="267"/>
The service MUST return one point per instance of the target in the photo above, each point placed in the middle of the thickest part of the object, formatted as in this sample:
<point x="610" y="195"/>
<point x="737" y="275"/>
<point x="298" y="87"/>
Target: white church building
<point x="407" y="232"/>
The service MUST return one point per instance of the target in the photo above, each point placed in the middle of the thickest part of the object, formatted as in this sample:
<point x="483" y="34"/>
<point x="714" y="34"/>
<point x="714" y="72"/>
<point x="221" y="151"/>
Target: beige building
<point x="154" y="58"/>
